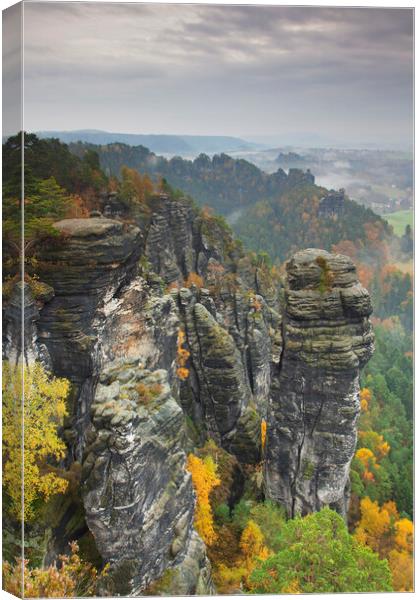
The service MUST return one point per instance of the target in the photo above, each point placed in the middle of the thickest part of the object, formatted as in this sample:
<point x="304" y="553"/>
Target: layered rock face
<point x="96" y="258"/>
<point x="314" y="401"/>
<point x="27" y="347"/>
<point x="231" y="330"/>
<point x="137" y="494"/>
<point x="108" y="321"/>
<point x="115" y="299"/>
<point x="113" y="334"/>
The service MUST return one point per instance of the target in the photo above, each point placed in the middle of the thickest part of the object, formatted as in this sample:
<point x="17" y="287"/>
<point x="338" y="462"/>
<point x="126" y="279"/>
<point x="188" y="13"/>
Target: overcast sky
<point x="341" y="73"/>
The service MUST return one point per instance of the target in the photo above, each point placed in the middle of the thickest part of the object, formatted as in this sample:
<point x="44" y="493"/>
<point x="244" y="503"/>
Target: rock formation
<point x="314" y="401"/>
<point x="126" y="428"/>
<point x="116" y="296"/>
<point x="137" y="494"/>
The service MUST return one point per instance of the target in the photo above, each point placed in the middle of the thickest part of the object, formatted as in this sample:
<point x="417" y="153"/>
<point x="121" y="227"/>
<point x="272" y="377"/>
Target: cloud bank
<point x="236" y="70"/>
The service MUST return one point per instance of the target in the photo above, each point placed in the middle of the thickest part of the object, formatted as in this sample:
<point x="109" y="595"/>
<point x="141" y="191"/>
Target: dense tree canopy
<point x="317" y="554"/>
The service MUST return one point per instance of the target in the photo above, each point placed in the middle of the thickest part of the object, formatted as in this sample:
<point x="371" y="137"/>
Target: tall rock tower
<point x="314" y="404"/>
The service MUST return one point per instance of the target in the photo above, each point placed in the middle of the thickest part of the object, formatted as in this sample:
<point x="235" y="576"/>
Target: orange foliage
<point x="204" y="478"/>
<point x="345" y="247"/>
<point x="215" y="268"/>
<point x="391" y="509"/>
<point x="77" y="208"/>
<point x="136" y="187"/>
<point x="72" y="579"/>
<point x="374" y="526"/>
<point x="263" y="433"/>
<point x="182" y="356"/>
<point x="174" y="285"/>
<point x="401" y="558"/>
<point x="256" y="304"/>
<point x="381" y="529"/>
<point x="373" y="231"/>
<point x="404" y="534"/>
<point x="216" y="276"/>
<point x="207" y="213"/>
<point x="194" y="279"/>
<point x="182" y="373"/>
<point x="232" y="578"/>
<point x="113" y="184"/>
<point x="365" y="274"/>
<point x="385" y="273"/>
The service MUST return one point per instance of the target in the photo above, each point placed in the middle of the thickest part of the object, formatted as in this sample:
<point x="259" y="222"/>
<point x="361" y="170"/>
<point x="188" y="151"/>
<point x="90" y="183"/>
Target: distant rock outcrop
<point x="314" y="401"/>
<point x="332" y="205"/>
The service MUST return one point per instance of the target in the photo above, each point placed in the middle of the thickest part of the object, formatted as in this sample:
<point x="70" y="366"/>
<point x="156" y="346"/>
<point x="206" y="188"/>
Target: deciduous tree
<point x="33" y="408"/>
<point x="204" y="478"/>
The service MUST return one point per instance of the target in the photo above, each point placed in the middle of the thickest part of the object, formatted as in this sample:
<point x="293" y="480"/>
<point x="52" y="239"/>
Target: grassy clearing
<point x="399" y="220"/>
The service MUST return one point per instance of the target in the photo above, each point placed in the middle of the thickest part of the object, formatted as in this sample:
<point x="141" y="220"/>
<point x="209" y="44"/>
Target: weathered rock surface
<point x="314" y="401"/>
<point x="95" y="261"/>
<point x="222" y="385"/>
<point x="231" y="330"/>
<point x="231" y="344"/>
<point x="105" y="325"/>
<point x="138" y="496"/>
<point x="20" y="334"/>
<point x="112" y="307"/>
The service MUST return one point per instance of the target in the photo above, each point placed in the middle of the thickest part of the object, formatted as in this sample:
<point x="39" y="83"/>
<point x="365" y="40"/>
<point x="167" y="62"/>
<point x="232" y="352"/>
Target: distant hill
<point x="166" y="144"/>
<point x="301" y="217"/>
<point x="276" y="213"/>
<point x="226" y="184"/>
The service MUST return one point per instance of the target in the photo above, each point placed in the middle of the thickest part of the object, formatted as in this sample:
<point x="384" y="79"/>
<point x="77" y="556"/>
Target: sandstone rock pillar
<point x="314" y="403"/>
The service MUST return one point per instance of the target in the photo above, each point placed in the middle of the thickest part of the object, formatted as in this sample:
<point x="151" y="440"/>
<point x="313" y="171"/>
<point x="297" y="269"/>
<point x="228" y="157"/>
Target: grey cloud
<point x="224" y="62"/>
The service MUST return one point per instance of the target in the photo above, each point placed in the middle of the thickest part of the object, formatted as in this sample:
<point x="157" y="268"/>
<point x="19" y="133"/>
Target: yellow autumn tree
<point x="391" y="509"/>
<point x="376" y="443"/>
<point x="365" y="398"/>
<point x="33" y="408"/>
<point x="401" y="566"/>
<point x="252" y="545"/>
<point x="368" y="460"/>
<point x="374" y="525"/>
<point x="404" y="534"/>
<point x="401" y="557"/>
<point x="204" y="478"/>
<point x="235" y="576"/>
<point x="182" y="356"/>
<point x="381" y="529"/>
<point x="292" y="588"/>
<point x="135" y="187"/>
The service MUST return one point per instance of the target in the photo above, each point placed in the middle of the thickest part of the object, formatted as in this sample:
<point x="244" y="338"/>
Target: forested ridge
<point x="224" y="183"/>
<point x="252" y="544"/>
